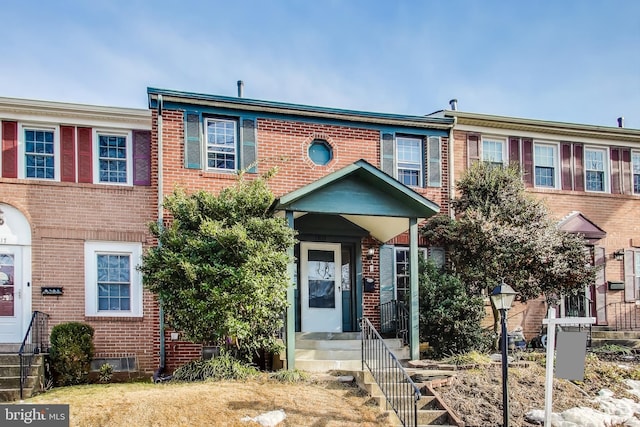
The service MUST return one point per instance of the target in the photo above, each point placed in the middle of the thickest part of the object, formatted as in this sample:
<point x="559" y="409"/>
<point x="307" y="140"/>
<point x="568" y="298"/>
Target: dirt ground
<point x="475" y="394"/>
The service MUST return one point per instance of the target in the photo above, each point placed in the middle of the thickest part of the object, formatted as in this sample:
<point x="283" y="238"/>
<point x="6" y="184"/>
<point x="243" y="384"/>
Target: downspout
<point x="158" y="376"/>
<point x="452" y="186"/>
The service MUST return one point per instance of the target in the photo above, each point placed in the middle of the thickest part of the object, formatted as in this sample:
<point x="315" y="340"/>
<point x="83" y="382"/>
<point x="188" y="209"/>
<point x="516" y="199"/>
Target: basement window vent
<point x="125" y="363"/>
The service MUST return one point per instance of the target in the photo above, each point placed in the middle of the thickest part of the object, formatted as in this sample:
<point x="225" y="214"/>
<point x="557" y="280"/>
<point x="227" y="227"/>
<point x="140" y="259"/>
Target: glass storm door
<point x="321" y="287"/>
<point x="10" y="295"/>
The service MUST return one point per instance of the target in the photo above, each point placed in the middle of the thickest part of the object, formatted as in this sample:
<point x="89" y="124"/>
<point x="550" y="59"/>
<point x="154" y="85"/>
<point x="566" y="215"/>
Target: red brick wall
<point x="283" y="144"/>
<point x="616" y="214"/>
<point x="62" y="217"/>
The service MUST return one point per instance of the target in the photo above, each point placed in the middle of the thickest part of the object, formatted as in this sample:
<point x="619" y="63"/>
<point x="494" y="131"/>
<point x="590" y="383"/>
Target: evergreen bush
<point x="71" y="353"/>
<point x="449" y="316"/>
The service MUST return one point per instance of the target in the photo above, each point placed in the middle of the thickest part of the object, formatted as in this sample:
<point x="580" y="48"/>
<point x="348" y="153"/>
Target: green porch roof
<point x="364" y="195"/>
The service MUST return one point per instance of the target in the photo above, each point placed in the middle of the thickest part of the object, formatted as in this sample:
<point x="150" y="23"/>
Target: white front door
<point x="321" y="292"/>
<point x="11" y="294"/>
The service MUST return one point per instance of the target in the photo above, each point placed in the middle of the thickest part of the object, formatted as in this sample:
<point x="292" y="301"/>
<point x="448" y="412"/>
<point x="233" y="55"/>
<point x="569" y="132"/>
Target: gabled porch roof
<point x="364" y="195"/>
<point x="576" y="222"/>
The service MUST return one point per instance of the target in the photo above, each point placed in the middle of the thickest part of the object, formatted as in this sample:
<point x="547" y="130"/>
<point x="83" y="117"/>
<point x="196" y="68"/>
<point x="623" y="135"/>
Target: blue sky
<point x="568" y="60"/>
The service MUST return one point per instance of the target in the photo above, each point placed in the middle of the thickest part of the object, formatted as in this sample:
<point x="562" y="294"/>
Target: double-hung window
<point x="39" y="153"/>
<point x="221" y="136"/>
<point x="493" y="151"/>
<point x="546" y="165"/>
<point x="635" y="160"/>
<point x="595" y="169"/>
<point x="113" y="284"/>
<point x="112" y="158"/>
<point x="409" y="160"/>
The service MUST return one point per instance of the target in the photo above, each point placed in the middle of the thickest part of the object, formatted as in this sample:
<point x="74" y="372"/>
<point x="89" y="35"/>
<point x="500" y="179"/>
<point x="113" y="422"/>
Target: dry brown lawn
<point x="320" y="401"/>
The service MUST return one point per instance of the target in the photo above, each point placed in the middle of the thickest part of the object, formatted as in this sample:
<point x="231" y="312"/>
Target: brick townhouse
<point x="79" y="184"/>
<point x="76" y="195"/>
<point x="355" y="185"/>
<point x="589" y="178"/>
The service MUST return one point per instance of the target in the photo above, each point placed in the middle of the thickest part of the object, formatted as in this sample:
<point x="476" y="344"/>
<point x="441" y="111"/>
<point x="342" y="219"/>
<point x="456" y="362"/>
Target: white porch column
<point x="414" y="309"/>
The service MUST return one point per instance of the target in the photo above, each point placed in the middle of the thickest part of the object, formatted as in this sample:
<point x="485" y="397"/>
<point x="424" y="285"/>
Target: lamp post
<point x="502" y="297"/>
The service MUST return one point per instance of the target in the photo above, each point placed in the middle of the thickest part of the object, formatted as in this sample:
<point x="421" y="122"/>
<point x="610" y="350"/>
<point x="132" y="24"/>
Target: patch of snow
<point x="613" y="411"/>
<point x="268" y="419"/>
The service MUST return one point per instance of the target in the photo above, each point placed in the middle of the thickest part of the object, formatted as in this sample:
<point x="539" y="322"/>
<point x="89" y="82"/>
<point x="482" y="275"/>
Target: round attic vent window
<point x="320" y="152"/>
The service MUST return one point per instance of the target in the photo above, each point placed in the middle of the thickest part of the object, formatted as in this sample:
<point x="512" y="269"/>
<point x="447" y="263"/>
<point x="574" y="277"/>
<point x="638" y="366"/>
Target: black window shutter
<point x="248" y="154"/>
<point x="192" y="144"/>
<point x="141" y="157"/>
<point x="388" y="153"/>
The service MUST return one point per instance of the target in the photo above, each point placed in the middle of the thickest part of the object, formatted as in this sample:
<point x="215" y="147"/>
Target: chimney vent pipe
<point x="620" y="122"/>
<point x="454" y="104"/>
<point x="240" y="88"/>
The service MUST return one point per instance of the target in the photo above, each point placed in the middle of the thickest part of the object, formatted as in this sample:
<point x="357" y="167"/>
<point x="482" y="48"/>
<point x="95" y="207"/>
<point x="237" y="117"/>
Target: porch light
<point x="618" y="255"/>
<point x="370" y="253"/>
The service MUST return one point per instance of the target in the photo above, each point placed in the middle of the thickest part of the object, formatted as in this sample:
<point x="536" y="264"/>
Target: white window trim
<point x="396" y="249"/>
<point x="556" y="166"/>
<point x="96" y="155"/>
<point x="91" y="249"/>
<point x="205" y="146"/>
<point x="421" y="167"/>
<point x="491" y="138"/>
<point x="605" y="161"/>
<point x="22" y="164"/>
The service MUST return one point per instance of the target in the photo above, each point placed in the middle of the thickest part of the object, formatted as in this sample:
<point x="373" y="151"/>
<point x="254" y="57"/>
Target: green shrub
<point x="71" y="353"/>
<point x="470" y="358"/>
<point x="223" y="367"/>
<point x="286" y="376"/>
<point x="105" y="373"/>
<point x="449" y="316"/>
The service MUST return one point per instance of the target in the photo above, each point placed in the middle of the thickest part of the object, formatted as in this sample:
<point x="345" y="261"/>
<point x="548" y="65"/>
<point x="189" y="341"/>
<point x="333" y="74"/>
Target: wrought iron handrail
<point x="36" y="341"/>
<point x="396" y="385"/>
<point x="626" y="316"/>
<point x="394" y="318"/>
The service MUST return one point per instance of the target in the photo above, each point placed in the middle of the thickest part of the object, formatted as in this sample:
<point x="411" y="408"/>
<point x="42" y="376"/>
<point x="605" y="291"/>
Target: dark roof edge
<point x="499" y="121"/>
<point x="297" y="109"/>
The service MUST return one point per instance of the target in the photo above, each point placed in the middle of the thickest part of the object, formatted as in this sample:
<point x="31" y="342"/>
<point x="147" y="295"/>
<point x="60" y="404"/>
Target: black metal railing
<point x="626" y="316"/>
<point x="396" y="385"/>
<point x="35" y="342"/>
<point x="394" y="319"/>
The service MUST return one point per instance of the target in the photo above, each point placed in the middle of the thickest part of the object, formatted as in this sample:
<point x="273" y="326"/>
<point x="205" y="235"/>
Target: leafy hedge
<point x="223" y="367"/>
<point x="71" y="353"/>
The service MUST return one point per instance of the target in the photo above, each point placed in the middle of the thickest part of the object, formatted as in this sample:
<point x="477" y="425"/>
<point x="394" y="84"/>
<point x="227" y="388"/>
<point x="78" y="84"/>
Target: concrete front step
<point x="325" y="351"/>
<point x="342" y="344"/>
<point x="615" y="334"/>
<point x="10" y="348"/>
<point x="328" y="365"/>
